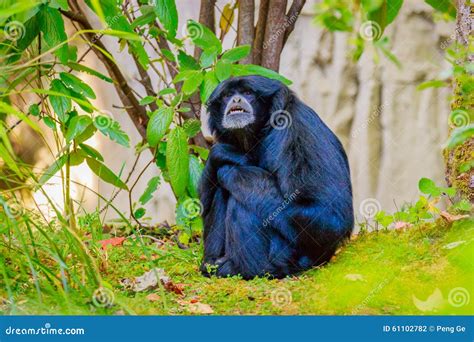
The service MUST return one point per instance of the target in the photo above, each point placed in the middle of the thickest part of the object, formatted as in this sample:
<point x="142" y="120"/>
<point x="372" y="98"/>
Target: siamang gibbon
<point x="276" y="190"/>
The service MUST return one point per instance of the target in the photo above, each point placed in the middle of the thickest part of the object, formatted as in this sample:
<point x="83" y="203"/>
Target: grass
<point x="421" y="270"/>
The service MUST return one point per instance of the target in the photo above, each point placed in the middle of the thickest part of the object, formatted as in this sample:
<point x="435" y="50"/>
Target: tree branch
<point x="136" y="112"/>
<point x="292" y="16"/>
<point x="245" y="30"/>
<point x="274" y="34"/>
<point x="260" y="31"/>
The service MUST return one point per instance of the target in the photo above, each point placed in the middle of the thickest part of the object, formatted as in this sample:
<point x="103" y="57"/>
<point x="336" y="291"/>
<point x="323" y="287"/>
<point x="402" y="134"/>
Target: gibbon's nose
<point x="236" y="99"/>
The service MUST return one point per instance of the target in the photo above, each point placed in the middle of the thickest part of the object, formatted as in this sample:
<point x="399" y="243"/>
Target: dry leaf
<point x="354" y="277"/>
<point x="116" y="241"/>
<point x="153" y="297"/>
<point x="451" y="218"/>
<point x="200" y="308"/>
<point x="227" y="18"/>
<point x="401" y="225"/>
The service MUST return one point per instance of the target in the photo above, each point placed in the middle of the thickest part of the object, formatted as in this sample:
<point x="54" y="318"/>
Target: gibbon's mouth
<point x="236" y="109"/>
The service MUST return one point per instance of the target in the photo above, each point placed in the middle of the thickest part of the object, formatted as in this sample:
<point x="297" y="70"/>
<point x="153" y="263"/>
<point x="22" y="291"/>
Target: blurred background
<point x="392" y="132"/>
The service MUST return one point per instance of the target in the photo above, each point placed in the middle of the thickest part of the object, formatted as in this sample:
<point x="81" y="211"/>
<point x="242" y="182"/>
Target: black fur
<point x="275" y="201"/>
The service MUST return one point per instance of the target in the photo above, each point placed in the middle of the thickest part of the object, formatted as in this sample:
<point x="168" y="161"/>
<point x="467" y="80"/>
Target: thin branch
<point x="260" y="31"/>
<point x="136" y="112"/>
<point x="292" y="16"/>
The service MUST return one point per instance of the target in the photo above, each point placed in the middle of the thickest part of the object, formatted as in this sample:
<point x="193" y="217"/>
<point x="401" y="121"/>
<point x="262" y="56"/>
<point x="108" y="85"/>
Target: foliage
<point x="425" y="208"/>
<point x="367" y="20"/>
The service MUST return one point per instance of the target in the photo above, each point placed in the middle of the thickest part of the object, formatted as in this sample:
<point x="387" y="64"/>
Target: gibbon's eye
<point x="226" y="96"/>
<point x="247" y="92"/>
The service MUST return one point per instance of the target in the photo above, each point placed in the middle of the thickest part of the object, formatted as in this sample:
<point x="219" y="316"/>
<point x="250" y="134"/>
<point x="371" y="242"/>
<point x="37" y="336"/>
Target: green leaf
<point x="203" y="152"/>
<point x="427" y="186"/>
<point x="91" y="151"/>
<point x="187" y="62"/>
<point x="393" y="9"/>
<point x="208" y="57"/>
<point x="167" y="14"/>
<point x="177" y="160"/>
<point x="52" y="170"/>
<point x="202" y="36"/>
<point x="144" y="19"/>
<point x="77" y="125"/>
<point x="208" y="85"/>
<point x="31" y="30"/>
<point x="111" y="128"/>
<point x="158" y="125"/>
<point x="104" y="173"/>
<point x="10" y="110"/>
<point x="431" y="84"/>
<point x="49" y="122"/>
<point x="236" y="54"/>
<point x="166" y="91"/>
<point x="192" y="127"/>
<point x="77" y="84"/>
<point x="223" y="70"/>
<point x="252" y="69"/>
<point x="168" y="55"/>
<point x="60" y="104"/>
<point x="151" y="187"/>
<point x="54" y="33"/>
<point x="34" y="110"/>
<point x="443" y="6"/>
<point x="191" y="84"/>
<point x="460" y="135"/>
<point x="147" y="100"/>
<point x="87" y="70"/>
<point x="195" y="172"/>
<point x="139" y="213"/>
<point x="88" y="133"/>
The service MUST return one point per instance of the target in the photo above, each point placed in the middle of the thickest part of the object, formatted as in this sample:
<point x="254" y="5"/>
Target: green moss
<point x="385" y="272"/>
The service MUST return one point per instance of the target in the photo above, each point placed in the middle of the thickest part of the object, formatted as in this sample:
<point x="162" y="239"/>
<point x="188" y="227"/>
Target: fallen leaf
<point x="401" y="225"/>
<point x="354" y="277"/>
<point x="116" y="241"/>
<point x="453" y="244"/>
<point x="149" y="280"/>
<point x="200" y="308"/>
<point x="153" y="297"/>
<point x="451" y="218"/>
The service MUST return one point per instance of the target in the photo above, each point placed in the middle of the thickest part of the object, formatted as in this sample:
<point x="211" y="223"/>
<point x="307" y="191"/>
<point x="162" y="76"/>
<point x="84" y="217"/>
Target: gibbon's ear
<point x="281" y="98"/>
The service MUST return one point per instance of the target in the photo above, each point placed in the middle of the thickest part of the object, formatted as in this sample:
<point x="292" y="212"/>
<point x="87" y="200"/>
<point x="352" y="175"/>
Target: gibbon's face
<point x="237" y="104"/>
